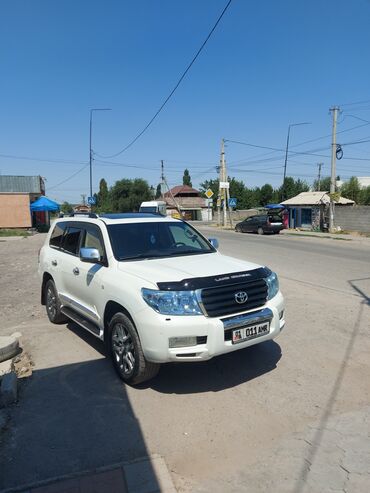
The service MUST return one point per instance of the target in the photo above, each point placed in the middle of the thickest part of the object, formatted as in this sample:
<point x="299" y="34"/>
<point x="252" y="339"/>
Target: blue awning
<point x="44" y="204"/>
<point x="274" y="206"/>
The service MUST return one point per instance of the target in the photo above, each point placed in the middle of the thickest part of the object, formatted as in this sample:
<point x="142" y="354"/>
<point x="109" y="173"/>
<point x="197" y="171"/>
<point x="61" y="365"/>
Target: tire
<point x="260" y="231"/>
<point x="53" y="304"/>
<point x="237" y="229"/>
<point x="126" y="352"/>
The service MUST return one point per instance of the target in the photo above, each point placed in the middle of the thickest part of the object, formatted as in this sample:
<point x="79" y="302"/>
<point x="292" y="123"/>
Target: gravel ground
<point x="290" y="415"/>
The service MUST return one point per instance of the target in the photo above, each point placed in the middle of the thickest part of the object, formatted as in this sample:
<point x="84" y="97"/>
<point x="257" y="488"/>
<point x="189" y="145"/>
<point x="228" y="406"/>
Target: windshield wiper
<point x="143" y="256"/>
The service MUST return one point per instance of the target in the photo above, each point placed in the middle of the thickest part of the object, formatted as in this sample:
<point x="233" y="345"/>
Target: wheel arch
<point x="111" y="308"/>
<point x="45" y="278"/>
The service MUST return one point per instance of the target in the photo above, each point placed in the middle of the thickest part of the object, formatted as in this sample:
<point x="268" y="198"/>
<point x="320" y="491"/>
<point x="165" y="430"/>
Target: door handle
<point x="54" y="262"/>
<point x="76" y="271"/>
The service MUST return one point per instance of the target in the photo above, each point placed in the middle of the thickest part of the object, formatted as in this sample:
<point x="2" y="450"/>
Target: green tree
<point x="66" y="208"/>
<point x="186" y="179"/>
<point x="364" y="196"/>
<point x="351" y="189"/>
<point x="266" y="194"/>
<point x="126" y="195"/>
<point x="212" y="184"/>
<point x="324" y="184"/>
<point x="292" y="187"/>
<point x="158" y="192"/>
<point x="102" y="197"/>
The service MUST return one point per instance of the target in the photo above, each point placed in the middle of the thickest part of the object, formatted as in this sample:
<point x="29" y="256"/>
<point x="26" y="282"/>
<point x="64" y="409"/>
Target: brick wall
<point x="356" y="218"/>
<point x="15" y="210"/>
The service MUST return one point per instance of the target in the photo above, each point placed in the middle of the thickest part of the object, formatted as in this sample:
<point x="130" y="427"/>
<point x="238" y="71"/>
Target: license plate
<point x="251" y="332"/>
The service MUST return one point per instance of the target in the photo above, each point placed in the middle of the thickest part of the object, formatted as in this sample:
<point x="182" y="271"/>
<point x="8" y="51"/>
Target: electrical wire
<point x="69" y="178"/>
<point x="174" y="89"/>
<point x="46" y="160"/>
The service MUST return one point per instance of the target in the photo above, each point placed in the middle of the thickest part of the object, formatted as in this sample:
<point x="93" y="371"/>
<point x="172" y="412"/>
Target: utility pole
<point x="334" y="110"/>
<point x="319" y="165"/>
<point x="91" y="154"/>
<point x="165" y="184"/>
<point x="162" y="179"/>
<point x="224" y="191"/>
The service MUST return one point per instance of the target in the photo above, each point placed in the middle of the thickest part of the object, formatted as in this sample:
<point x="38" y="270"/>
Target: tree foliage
<point x="66" y="208"/>
<point x="126" y="195"/>
<point x="186" y="179"/>
<point x="158" y="192"/>
<point x="351" y="189"/>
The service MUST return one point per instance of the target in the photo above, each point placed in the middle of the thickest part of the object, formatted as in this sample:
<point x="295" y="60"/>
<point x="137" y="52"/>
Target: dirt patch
<point x="23" y="365"/>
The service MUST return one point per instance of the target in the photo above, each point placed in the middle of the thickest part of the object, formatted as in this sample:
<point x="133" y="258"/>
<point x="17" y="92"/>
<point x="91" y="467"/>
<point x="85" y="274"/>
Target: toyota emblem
<point x="241" y="297"/>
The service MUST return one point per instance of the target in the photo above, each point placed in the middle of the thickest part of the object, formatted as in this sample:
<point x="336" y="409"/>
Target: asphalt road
<point x="292" y="415"/>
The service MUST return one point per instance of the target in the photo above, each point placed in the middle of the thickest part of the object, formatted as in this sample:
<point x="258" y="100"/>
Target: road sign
<point x="232" y="202"/>
<point x="224" y="184"/>
<point x="209" y="202"/>
<point x="209" y="193"/>
<point x="91" y="200"/>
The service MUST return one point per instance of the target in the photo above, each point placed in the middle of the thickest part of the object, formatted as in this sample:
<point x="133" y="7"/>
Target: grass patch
<point x="14" y="232"/>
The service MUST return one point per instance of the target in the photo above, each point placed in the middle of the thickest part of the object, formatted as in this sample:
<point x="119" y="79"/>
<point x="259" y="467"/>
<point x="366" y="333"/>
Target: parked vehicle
<point x="261" y="224"/>
<point x="155" y="290"/>
<point x="153" y="207"/>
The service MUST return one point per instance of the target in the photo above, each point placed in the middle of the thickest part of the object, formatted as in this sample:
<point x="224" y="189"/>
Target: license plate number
<point x="251" y="332"/>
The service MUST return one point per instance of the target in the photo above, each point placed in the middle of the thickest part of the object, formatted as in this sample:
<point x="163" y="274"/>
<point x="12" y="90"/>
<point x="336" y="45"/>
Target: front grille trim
<point x="219" y="302"/>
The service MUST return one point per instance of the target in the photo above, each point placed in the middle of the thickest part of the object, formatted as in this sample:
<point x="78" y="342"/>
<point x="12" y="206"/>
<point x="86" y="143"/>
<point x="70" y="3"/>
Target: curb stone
<point x="9" y="347"/>
<point x="144" y="475"/>
<point x="8" y="389"/>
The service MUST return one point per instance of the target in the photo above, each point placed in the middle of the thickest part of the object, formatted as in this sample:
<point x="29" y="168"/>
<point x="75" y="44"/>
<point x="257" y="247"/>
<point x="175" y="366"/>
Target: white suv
<point x="155" y="290"/>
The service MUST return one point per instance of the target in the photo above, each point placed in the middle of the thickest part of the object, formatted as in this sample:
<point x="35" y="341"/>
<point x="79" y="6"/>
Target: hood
<point x="174" y="269"/>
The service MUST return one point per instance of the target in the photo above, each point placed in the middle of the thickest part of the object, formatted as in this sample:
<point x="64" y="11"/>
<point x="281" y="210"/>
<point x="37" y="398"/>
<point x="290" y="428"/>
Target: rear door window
<point x="71" y="241"/>
<point x="57" y="235"/>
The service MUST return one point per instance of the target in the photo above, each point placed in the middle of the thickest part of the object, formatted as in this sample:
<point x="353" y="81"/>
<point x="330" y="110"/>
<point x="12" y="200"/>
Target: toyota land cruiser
<point x="155" y="290"/>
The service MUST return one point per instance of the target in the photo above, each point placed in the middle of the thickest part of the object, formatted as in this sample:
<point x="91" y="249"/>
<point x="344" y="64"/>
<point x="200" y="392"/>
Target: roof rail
<point x="92" y="215"/>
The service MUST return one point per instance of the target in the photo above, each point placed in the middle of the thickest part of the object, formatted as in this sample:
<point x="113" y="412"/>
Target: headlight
<point x="272" y="282"/>
<point x="172" y="302"/>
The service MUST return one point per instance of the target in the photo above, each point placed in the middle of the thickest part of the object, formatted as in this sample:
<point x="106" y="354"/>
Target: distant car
<point x="261" y="224"/>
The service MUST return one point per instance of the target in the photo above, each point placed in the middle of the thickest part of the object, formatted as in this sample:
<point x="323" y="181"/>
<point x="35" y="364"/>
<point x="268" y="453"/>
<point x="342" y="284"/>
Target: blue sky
<point x="268" y="64"/>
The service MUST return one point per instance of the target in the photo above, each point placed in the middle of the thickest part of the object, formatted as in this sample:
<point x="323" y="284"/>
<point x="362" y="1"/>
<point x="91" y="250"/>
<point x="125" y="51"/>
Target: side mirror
<point x="90" y="255"/>
<point x="214" y="242"/>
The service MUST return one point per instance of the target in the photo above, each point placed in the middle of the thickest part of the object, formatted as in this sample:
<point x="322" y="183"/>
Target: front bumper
<point x="155" y="331"/>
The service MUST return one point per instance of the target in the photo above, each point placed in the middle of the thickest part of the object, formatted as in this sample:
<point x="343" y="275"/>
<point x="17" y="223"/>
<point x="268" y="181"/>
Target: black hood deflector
<point x="215" y="281"/>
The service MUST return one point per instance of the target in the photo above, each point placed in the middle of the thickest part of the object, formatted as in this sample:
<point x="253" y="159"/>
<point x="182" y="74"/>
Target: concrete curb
<point x="144" y="475"/>
<point x="9" y="347"/>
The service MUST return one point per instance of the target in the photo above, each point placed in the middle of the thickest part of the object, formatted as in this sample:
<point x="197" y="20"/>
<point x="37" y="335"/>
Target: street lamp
<point x="287" y="147"/>
<point x="91" y="151"/>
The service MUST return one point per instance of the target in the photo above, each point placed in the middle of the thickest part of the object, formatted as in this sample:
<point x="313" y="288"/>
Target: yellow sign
<point x="209" y="193"/>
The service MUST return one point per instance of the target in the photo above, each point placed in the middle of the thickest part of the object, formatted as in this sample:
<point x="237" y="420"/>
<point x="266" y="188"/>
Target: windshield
<point x="133" y="241"/>
<point x="151" y="209"/>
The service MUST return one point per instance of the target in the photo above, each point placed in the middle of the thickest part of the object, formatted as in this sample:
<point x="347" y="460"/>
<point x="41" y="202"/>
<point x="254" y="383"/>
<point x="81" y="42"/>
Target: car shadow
<point x="90" y="339"/>
<point x="217" y="374"/>
<point x="70" y="419"/>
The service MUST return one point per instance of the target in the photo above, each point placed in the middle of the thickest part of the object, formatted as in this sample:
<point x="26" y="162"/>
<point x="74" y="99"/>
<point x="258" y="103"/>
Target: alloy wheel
<point x="51" y="302"/>
<point x="123" y="349"/>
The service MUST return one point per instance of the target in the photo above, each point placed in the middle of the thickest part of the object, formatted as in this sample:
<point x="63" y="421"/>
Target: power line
<point x="47" y="160"/>
<point x="174" y="89"/>
<point x="69" y="178"/>
<point x="357" y="102"/>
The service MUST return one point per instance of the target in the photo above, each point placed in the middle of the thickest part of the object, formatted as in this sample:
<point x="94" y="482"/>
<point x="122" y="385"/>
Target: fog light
<point x="182" y="341"/>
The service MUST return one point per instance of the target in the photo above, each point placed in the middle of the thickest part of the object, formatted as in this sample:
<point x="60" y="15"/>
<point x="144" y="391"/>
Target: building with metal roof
<point x="22" y="184"/>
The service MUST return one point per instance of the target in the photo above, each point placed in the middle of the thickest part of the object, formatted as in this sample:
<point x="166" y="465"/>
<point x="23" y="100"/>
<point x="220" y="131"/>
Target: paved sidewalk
<point x="148" y="475"/>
